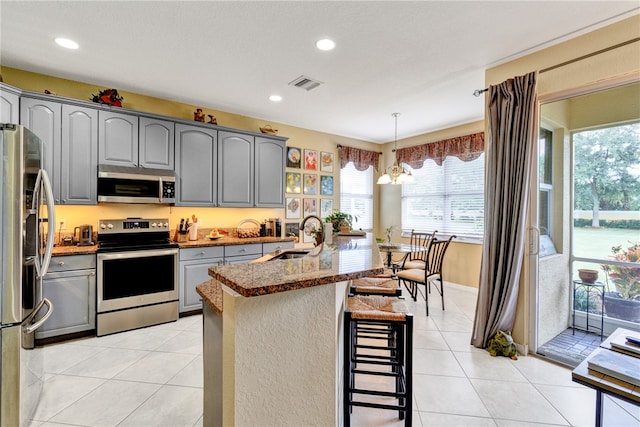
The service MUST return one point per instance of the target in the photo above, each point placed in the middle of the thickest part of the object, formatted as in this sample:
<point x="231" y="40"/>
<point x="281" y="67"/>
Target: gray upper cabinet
<point x="270" y="159"/>
<point x="235" y="169"/>
<point x="44" y="119"/>
<point x="157" y="143"/>
<point x="79" y="162"/>
<point x="70" y="137"/>
<point x="118" y="136"/>
<point x="196" y="156"/>
<point x="9" y="104"/>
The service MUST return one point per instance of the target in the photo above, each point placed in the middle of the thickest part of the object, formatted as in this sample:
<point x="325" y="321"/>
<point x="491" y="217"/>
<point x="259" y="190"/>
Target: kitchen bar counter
<point x="278" y="339"/>
<point x="345" y="259"/>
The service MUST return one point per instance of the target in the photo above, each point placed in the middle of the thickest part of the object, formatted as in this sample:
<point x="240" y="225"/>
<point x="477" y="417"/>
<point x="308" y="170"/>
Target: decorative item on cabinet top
<point x="268" y="130"/>
<point x="108" y="96"/>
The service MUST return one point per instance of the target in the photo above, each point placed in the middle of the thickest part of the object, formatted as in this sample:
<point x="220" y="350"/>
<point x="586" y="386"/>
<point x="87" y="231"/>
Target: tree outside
<point x="607" y="171"/>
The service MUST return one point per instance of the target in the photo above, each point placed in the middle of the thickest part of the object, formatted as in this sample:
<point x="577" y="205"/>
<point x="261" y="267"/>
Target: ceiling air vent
<point x="305" y="82"/>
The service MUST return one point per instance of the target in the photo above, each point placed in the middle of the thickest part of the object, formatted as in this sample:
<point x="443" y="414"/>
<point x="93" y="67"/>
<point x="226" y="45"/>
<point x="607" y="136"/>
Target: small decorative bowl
<point x="588" y="276"/>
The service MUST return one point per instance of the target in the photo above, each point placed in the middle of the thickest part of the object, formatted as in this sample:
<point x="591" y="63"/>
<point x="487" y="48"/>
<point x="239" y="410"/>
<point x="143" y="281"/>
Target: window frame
<point x="447" y="197"/>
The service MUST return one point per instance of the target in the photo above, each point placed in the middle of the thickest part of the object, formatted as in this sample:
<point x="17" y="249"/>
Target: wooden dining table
<point x="391" y="248"/>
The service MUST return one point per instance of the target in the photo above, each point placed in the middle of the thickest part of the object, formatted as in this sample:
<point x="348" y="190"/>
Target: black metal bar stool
<point x="378" y="340"/>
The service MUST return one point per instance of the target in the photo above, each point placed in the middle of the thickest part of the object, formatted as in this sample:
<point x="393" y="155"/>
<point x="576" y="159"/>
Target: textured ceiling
<point x="423" y="59"/>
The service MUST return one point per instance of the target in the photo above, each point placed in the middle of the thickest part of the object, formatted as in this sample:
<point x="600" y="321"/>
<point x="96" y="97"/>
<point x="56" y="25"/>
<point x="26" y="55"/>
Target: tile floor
<point x="571" y="347"/>
<point x="153" y="377"/>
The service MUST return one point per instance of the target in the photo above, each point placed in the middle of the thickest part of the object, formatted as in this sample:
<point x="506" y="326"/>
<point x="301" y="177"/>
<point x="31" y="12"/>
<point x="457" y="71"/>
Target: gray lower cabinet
<point x="9" y="104"/>
<point x="196" y="171"/>
<point x="237" y="254"/>
<point x="70" y="285"/>
<point x="276" y="246"/>
<point x="194" y="266"/>
<point x="118" y="136"/>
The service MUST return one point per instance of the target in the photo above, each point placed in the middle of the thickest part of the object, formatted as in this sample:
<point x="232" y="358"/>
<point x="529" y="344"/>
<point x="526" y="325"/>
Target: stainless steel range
<point x="137" y="274"/>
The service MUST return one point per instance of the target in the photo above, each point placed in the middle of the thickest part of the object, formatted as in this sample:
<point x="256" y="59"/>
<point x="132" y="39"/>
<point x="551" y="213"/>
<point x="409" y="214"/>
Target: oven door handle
<point x="139" y="253"/>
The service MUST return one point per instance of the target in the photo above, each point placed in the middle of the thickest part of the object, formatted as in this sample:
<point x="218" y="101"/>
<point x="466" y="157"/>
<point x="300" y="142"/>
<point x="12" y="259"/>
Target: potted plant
<point x="624" y="303"/>
<point x="341" y="219"/>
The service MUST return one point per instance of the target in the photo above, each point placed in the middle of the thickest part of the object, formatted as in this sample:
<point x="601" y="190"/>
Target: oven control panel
<point x="132" y="225"/>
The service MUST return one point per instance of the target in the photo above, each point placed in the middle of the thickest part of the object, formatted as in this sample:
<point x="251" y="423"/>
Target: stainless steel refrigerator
<point x="27" y="224"/>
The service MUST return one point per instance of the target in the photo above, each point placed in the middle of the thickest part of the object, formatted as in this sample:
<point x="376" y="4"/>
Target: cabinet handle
<point x="243" y="250"/>
<point x="201" y="252"/>
<point x="61" y="263"/>
<point x="93" y="273"/>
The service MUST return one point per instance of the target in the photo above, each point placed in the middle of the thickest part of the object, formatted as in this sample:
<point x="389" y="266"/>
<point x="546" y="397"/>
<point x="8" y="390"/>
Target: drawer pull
<point x="201" y="252"/>
<point x="61" y="263"/>
<point x="93" y="273"/>
<point x="243" y="250"/>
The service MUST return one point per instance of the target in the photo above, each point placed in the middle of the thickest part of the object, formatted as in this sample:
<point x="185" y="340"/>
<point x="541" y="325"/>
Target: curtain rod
<point x="479" y="92"/>
<point x="379" y="152"/>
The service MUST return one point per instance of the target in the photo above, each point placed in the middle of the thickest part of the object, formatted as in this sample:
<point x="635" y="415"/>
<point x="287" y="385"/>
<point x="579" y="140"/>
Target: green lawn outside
<point x="596" y="243"/>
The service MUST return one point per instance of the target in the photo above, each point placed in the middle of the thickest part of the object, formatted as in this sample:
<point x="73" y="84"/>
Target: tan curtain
<point x="361" y="159"/>
<point x="513" y="129"/>
<point x="466" y="148"/>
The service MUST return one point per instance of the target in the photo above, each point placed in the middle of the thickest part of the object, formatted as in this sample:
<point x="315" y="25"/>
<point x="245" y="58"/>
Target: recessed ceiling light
<point x="275" y="98"/>
<point x="325" y="44"/>
<point x="69" y="44"/>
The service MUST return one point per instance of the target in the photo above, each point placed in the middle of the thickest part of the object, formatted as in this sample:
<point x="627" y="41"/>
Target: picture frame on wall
<point x="326" y="185"/>
<point x="293" y="208"/>
<point x="291" y="229"/>
<point x="310" y="184"/>
<point x="294" y="157"/>
<point x="309" y="207"/>
<point x="311" y="159"/>
<point x="326" y="161"/>
<point x="326" y="207"/>
<point x="294" y="183"/>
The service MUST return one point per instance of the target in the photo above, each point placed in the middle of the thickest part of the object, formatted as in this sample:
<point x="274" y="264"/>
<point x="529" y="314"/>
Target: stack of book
<point x="623" y="362"/>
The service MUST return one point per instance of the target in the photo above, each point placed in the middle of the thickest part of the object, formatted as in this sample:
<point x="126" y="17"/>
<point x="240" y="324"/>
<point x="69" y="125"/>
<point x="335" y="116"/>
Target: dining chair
<point x="432" y="274"/>
<point x="418" y="256"/>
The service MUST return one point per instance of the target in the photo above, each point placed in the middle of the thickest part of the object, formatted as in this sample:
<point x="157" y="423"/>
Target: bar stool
<point x="385" y="284"/>
<point x="378" y="340"/>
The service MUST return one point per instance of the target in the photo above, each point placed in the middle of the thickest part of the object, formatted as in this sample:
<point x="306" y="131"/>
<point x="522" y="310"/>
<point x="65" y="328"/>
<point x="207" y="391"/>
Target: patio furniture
<point x="431" y="274"/>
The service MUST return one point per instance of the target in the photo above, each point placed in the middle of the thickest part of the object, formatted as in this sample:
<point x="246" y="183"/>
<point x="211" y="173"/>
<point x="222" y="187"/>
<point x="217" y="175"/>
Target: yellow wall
<point x="592" y="70"/>
<point x="211" y="217"/>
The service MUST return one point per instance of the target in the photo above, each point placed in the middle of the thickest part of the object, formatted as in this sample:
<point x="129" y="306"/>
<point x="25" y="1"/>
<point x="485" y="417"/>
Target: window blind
<point x="447" y="198"/>
<point x="356" y="195"/>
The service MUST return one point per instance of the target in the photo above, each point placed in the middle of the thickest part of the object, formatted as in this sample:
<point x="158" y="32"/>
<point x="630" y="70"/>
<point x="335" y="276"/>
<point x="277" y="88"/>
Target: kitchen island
<point x="273" y="335"/>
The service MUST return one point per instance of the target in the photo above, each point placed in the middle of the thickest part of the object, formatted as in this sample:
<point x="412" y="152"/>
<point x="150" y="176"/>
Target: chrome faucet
<point x="320" y="234"/>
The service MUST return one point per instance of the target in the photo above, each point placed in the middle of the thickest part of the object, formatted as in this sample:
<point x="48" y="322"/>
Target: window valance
<point x="466" y="148"/>
<point x="361" y="159"/>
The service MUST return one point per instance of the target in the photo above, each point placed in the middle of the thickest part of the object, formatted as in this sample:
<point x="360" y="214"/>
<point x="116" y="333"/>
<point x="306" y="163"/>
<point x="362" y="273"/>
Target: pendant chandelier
<point x="395" y="174"/>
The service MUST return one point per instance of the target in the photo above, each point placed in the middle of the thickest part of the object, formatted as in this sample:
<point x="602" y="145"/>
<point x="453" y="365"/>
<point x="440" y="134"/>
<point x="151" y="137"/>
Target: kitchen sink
<point x="290" y="255"/>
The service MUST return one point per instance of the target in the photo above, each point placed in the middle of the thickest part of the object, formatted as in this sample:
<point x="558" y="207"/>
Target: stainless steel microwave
<point x="122" y="184"/>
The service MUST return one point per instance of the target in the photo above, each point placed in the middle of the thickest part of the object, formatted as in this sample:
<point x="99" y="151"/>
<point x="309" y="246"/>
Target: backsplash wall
<point x="208" y="217"/>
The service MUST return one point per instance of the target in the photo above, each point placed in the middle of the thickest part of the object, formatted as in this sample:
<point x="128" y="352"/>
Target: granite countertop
<point x="229" y="240"/>
<point x="211" y="292"/>
<point x="224" y="241"/>
<point x="343" y="259"/>
<point x="74" y="250"/>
